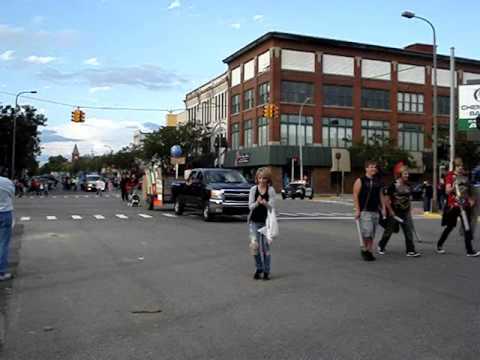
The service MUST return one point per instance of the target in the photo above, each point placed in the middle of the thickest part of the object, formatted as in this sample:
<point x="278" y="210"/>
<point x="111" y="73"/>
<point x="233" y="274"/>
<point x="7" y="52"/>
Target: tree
<point x="382" y="150"/>
<point x="27" y="137"/>
<point x="55" y="164"/>
<point x="191" y="139"/>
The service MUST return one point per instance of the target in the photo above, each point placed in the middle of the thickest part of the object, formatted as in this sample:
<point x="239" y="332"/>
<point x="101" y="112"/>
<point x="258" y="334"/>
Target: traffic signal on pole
<point x="276" y="112"/>
<point x="82" y="116"/>
<point x="268" y="111"/>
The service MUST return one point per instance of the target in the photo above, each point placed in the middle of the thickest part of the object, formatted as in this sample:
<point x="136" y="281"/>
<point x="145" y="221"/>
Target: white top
<point x="7" y="193"/>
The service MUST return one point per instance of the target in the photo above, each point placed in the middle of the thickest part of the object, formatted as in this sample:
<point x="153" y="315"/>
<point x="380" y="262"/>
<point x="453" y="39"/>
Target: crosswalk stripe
<point x="288" y="214"/>
<point x="145" y="216"/>
<point x="31" y="197"/>
<point x="169" y="215"/>
<point x="107" y="196"/>
<point x="121" y="216"/>
<point x="65" y="196"/>
<point x="76" y="196"/>
<point x="76" y="217"/>
<point x="99" y="217"/>
<point x="85" y="196"/>
<point x="54" y="196"/>
<point x="51" y="217"/>
<point x="25" y="218"/>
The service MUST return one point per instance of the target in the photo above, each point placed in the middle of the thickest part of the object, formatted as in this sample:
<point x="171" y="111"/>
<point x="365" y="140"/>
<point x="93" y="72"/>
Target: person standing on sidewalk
<point x="261" y="200"/>
<point x="368" y="200"/>
<point x="7" y="194"/>
<point x="459" y="205"/>
<point x="397" y="201"/>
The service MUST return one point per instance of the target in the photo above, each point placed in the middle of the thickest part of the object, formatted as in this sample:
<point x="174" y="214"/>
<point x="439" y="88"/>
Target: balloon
<point x="176" y="151"/>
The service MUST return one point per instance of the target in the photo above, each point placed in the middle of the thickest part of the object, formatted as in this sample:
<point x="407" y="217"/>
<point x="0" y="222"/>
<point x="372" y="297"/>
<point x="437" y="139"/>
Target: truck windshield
<point x="227" y="176"/>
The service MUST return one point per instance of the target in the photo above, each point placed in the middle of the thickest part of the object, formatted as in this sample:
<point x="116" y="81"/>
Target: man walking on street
<point x="7" y="194"/>
<point x="368" y="201"/>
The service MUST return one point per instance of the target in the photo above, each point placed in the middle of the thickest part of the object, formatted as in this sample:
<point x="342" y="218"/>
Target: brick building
<point x="353" y="91"/>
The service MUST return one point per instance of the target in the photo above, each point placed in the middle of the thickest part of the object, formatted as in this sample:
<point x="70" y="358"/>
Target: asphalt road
<point x="165" y="287"/>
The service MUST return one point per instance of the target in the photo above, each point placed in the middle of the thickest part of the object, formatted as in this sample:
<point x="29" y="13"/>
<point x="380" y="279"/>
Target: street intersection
<point x="153" y="285"/>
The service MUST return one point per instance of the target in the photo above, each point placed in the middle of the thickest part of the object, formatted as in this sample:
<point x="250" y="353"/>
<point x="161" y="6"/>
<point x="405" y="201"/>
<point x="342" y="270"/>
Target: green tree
<point x="55" y="164"/>
<point x="27" y="137"/>
<point x="382" y="150"/>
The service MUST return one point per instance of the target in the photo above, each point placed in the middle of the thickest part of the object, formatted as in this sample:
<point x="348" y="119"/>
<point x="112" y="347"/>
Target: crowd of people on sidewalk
<point x="390" y="206"/>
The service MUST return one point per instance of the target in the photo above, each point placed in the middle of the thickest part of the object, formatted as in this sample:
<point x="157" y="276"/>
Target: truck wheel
<point x="206" y="213"/>
<point x="178" y="207"/>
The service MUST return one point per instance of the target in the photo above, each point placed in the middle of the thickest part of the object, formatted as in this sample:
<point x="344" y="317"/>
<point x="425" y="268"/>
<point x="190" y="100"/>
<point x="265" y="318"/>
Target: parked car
<point x="298" y="189"/>
<point x="213" y="191"/>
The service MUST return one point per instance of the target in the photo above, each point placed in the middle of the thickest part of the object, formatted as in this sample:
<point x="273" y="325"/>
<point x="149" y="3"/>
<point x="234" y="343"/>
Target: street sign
<point x="468" y="107"/>
<point x="177" y="160"/>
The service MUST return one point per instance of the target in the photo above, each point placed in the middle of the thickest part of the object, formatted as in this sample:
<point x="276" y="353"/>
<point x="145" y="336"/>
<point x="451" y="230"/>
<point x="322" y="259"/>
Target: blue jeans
<point x="262" y="256"/>
<point x="5" y="237"/>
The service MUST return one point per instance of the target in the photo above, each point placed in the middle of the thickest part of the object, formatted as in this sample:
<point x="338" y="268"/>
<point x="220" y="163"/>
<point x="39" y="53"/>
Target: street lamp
<point x="15" y="128"/>
<point x="300" y="142"/>
<point x="411" y="15"/>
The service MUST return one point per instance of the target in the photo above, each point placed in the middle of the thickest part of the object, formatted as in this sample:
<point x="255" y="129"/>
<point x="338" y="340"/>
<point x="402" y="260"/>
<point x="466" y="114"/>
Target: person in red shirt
<point x="459" y="205"/>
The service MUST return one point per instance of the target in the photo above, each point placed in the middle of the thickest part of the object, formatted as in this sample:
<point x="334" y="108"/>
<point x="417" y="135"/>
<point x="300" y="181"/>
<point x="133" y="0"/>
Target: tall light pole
<point x="411" y="15"/>
<point x="300" y="141"/>
<point x="15" y="128"/>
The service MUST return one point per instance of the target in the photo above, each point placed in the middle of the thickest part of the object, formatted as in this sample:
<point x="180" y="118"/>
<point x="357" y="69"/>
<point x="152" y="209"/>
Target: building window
<point x="410" y="137"/>
<point x="443" y="105"/>
<point x="263" y="93"/>
<point x="337" y="132"/>
<point x="248" y="101"/>
<point x="410" y="102"/>
<point x="235" y="104"/>
<point x="247" y="134"/>
<point x="292" y="134"/>
<point x="338" y="95"/>
<point x="376" y="99"/>
<point x="262" y="131"/>
<point x="235" y="136"/>
<point x="375" y="131"/>
<point x="296" y="92"/>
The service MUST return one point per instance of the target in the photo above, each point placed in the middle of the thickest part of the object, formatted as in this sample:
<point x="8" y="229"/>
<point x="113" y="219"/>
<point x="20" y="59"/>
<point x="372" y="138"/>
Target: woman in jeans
<point x="261" y="200"/>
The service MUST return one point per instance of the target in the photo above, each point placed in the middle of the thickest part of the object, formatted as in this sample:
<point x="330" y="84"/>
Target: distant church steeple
<point x="75" y="154"/>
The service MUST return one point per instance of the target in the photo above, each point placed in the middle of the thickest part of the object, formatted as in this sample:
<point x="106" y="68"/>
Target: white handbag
<point x="270" y="230"/>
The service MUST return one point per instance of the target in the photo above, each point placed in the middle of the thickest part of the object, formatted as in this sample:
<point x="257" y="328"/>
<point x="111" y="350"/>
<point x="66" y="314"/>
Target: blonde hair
<point x="458" y="162"/>
<point x="264" y="172"/>
<point x="401" y="170"/>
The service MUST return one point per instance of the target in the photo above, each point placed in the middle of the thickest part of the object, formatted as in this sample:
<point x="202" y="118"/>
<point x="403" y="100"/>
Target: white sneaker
<point x="440" y="250"/>
<point x="413" y="254"/>
<point x="474" y="254"/>
<point x="380" y="250"/>
<point x="5" y="276"/>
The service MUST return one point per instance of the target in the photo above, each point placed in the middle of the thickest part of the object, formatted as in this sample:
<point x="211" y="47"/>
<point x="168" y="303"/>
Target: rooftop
<point x="341" y="43"/>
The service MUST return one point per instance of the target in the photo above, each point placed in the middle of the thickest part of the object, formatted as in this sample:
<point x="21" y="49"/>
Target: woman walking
<point x="261" y="200"/>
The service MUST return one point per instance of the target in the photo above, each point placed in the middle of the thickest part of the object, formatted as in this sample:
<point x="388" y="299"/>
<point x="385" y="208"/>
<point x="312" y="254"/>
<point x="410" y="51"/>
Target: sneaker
<point x="364" y="254"/>
<point x="413" y="254"/>
<point x="5" y="276"/>
<point x="369" y="256"/>
<point x="266" y="276"/>
<point x="256" y="276"/>
<point x="380" y="251"/>
<point x="440" y="250"/>
<point x="473" y="254"/>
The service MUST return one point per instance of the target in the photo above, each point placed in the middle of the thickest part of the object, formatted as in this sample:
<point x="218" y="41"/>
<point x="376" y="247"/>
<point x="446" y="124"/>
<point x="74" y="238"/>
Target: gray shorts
<point x="369" y="223"/>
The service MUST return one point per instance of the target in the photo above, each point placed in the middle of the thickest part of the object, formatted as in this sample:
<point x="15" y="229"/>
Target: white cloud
<point x="33" y="59"/>
<point x="258" y="18"/>
<point x="92" y="61"/>
<point x="95" y="89"/>
<point x="235" y="25"/>
<point x="174" y="4"/>
<point x="90" y="136"/>
<point x="7" y="55"/>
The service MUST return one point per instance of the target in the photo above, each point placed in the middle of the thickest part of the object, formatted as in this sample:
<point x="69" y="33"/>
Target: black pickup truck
<point x="214" y="192"/>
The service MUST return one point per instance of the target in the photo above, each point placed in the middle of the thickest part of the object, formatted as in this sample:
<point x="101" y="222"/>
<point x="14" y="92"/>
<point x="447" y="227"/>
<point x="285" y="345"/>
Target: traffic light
<point x="78" y="116"/>
<point x="276" y="112"/>
<point x="269" y="110"/>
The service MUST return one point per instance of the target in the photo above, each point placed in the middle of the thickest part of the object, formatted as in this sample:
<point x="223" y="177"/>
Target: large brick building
<point x="354" y="91"/>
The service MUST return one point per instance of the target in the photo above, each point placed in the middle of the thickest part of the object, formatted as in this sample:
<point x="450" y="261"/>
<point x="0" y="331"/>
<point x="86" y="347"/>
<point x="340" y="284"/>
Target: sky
<point x="150" y="53"/>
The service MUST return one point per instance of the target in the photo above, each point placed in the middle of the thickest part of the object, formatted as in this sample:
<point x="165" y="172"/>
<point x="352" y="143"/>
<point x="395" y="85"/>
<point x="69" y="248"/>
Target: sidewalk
<point x="6" y="287"/>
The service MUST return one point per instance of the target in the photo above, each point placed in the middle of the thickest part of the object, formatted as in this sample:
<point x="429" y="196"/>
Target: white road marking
<point x="99" y="217"/>
<point x="51" y="217"/>
<point x="31" y="197"/>
<point x="76" y="217"/>
<point x="288" y="214"/>
<point x="145" y="216"/>
<point x="347" y="203"/>
<point x="317" y="218"/>
<point x="76" y="196"/>
<point x="85" y="196"/>
<point x="54" y="196"/>
<point x="65" y="196"/>
<point x="121" y="216"/>
<point x="169" y="215"/>
<point x="107" y="196"/>
<point x="25" y="218"/>
<point x="118" y="196"/>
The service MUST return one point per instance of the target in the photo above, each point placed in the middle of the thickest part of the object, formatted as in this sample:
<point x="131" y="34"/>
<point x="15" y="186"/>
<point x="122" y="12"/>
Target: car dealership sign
<point x="468" y="106"/>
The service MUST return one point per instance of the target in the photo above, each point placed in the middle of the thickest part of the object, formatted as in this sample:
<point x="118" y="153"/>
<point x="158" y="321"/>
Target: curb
<point x="430" y="215"/>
